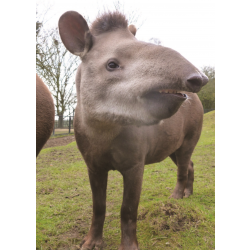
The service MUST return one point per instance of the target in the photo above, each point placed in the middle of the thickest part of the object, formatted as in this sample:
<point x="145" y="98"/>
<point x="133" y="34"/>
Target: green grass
<point x="62" y="134"/>
<point x="64" y="203"/>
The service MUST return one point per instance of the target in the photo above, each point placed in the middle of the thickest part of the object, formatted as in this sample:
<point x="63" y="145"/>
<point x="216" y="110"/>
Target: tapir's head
<point x="122" y="80"/>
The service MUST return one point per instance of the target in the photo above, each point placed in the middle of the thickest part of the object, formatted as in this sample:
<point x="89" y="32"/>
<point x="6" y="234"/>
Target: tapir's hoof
<point x="90" y="244"/>
<point x="187" y="193"/>
<point x="91" y="248"/>
<point x="188" y="190"/>
<point x="176" y="196"/>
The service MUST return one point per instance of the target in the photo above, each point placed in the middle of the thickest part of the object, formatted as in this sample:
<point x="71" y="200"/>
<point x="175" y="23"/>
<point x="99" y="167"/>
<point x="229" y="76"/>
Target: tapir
<point x="136" y="105"/>
<point x="45" y="114"/>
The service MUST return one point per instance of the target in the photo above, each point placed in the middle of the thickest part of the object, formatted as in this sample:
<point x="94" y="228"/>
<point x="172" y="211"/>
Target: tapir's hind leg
<point x="185" y="172"/>
<point x="189" y="186"/>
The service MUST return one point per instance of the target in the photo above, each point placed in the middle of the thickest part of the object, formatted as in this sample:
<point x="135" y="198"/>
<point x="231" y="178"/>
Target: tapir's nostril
<point x="195" y="82"/>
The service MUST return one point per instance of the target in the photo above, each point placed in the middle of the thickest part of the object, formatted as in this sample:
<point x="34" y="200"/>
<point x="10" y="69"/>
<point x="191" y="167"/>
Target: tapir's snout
<point x="179" y="73"/>
<point x="196" y="81"/>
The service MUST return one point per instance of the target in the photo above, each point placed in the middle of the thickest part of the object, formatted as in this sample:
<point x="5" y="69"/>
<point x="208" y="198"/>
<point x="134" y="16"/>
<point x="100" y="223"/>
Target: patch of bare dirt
<point x="61" y="141"/>
<point x="171" y="217"/>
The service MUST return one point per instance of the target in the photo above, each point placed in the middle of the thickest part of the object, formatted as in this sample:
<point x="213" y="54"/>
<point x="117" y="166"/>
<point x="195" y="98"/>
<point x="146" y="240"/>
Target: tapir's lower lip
<point x="163" y="103"/>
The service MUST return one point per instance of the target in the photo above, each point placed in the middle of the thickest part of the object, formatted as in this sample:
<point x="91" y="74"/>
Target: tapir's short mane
<point x="108" y="21"/>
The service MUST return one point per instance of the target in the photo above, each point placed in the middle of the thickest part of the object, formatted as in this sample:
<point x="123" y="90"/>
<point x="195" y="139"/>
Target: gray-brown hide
<point x="134" y="107"/>
<point x="45" y="114"/>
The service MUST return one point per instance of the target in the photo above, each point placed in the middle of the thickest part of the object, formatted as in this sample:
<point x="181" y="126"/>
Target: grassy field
<point x="64" y="204"/>
<point x="59" y="131"/>
<point x="61" y="135"/>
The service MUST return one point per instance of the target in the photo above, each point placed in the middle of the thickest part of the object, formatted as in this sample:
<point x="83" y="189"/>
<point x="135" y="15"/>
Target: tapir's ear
<point x="75" y="34"/>
<point x="132" y="29"/>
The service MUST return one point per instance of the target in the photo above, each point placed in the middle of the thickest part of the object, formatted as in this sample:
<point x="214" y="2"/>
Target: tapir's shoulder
<point x="189" y="117"/>
<point x="193" y="105"/>
<point x="192" y="113"/>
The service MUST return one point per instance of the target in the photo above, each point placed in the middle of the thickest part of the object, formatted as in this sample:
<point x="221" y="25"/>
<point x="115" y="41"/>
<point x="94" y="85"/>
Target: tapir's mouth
<point x="165" y="93"/>
<point x="172" y="92"/>
<point x="163" y="103"/>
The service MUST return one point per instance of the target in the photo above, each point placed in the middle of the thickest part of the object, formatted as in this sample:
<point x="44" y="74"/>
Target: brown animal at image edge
<point x="135" y="106"/>
<point x="45" y="114"/>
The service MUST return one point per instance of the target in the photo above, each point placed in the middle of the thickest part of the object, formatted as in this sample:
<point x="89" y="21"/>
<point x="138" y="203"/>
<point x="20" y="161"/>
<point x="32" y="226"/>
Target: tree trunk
<point x="60" y="121"/>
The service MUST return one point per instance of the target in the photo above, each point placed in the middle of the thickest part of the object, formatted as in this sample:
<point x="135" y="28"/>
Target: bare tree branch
<point x="57" y="67"/>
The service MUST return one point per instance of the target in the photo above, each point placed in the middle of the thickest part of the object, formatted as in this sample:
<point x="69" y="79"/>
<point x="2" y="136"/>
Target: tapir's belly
<point x="145" y="145"/>
<point x="164" y="147"/>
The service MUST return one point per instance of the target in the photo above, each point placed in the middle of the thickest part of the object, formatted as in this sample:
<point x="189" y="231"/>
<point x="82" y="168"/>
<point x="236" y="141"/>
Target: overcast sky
<point x="185" y="26"/>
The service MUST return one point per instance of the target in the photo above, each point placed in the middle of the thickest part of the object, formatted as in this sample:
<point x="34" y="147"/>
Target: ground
<point x="64" y="200"/>
<point x="59" y="141"/>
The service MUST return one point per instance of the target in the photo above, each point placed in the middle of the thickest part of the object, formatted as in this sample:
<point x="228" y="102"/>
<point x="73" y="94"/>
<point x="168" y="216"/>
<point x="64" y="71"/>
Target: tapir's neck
<point x="100" y="131"/>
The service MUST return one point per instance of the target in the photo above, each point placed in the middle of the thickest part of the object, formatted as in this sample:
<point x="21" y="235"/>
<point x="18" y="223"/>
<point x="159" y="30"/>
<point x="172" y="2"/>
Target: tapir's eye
<point x="112" y="65"/>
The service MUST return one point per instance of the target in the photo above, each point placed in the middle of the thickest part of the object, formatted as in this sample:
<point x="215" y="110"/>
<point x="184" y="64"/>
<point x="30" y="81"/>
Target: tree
<point x="56" y="66"/>
<point x="207" y="93"/>
<point x="209" y="72"/>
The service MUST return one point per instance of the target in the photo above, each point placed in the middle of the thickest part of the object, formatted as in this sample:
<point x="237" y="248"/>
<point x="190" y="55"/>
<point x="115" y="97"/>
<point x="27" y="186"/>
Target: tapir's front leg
<point x="98" y="182"/>
<point x="132" y="180"/>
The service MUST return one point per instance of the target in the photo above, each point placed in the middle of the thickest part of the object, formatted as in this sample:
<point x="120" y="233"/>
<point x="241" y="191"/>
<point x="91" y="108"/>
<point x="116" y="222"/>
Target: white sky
<point x="185" y="26"/>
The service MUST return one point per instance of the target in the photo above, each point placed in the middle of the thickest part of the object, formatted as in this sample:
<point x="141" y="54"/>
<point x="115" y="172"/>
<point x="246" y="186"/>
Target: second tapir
<point x="135" y="106"/>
